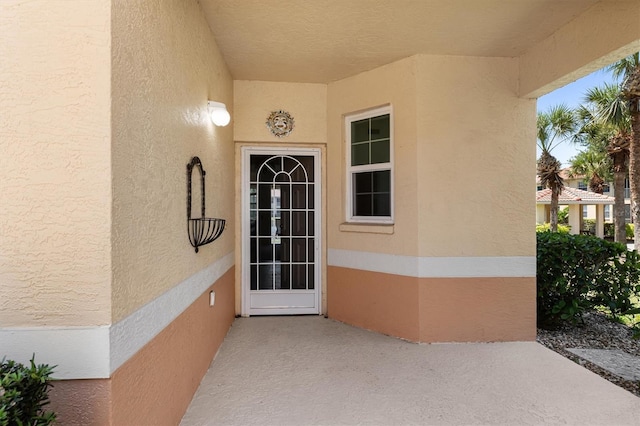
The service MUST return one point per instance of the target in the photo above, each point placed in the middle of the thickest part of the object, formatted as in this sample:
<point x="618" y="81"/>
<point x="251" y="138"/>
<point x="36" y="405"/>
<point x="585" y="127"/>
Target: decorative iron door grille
<point x="283" y="201"/>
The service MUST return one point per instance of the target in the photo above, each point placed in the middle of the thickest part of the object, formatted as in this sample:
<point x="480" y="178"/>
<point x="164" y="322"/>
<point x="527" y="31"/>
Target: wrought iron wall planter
<point x="202" y="230"/>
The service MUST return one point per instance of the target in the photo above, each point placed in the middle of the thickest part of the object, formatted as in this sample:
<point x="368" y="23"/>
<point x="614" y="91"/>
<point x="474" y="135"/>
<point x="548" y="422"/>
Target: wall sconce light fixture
<point x="219" y="114"/>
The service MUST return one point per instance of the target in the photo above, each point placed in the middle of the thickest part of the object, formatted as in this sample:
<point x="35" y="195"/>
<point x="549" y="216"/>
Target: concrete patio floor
<point x="310" y="370"/>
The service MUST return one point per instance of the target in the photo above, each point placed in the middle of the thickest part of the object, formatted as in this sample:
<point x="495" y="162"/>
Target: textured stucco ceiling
<point x="325" y="40"/>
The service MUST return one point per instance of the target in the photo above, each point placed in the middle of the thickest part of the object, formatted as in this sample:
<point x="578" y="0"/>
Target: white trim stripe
<point x="96" y="352"/>
<point x="130" y="334"/>
<point x="77" y="352"/>
<point x="435" y="267"/>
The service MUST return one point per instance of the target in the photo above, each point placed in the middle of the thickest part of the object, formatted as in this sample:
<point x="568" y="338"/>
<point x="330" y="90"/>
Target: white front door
<point x="281" y="230"/>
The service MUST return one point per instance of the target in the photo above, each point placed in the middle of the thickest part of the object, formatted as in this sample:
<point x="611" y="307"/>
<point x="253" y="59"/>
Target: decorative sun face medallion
<point x="280" y="123"/>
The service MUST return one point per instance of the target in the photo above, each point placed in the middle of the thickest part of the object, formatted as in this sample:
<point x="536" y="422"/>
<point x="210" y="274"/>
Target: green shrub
<point x="546" y="227"/>
<point x="576" y="273"/>
<point x="24" y="394"/>
<point x="589" y="225"/>
<point x="609" y="230"/>
<point x="629" y="228"/>
<point x="563" y="216"/>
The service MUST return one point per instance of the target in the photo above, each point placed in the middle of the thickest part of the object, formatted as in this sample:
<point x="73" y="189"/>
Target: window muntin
<point x="369" y="166"/>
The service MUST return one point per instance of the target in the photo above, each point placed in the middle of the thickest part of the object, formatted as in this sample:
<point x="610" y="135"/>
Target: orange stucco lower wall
<point x="434" y="309"/>
<point x="81" y="402"/>
<point x="477" y="309"/>
<point x="382" y="302"/>
<point x="156" y="385"/>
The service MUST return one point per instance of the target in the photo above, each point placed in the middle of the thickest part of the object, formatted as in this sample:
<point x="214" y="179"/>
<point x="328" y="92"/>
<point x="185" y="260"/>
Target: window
<point x="607" y="212"/>
<point x="585" y="211"/>
<point x="627" y="213"/>
<point x="370" y="166"/>
<point x="627" y="189"/>
<point x="583" y="186"/>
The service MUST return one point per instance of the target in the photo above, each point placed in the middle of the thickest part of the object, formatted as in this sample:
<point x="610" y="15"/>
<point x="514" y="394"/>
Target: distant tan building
<point x="574" y="199"/>
<point x="588" y="211"/>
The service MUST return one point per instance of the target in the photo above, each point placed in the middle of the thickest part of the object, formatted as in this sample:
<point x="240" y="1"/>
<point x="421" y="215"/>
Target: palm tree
<point x="618" y="150"/>
<point x="629" y="68"/>
<point x="595" y="166"/>
<point x="606" y="125"/>
<point x="554" y="125"/>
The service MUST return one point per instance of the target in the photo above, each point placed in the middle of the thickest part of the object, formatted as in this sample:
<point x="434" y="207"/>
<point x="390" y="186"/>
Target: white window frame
<point x="350" y="170"/>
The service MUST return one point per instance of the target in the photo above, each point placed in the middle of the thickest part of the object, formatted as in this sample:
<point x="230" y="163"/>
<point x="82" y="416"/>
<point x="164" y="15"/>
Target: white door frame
<point x="245" y="230"/>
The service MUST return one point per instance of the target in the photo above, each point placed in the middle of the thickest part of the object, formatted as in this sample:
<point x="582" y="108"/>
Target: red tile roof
<point x="573" y="196"/>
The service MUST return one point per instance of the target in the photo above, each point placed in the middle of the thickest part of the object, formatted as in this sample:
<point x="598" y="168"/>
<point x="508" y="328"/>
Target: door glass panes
<point x="282" y="219"/>
<point x="299" y="196"/>
<point x="299" y="277"/>
<point x="285" y="249"/>
<point x="298" y="223"/>
<point x="254" y="275"/>
<point x="311" y="224"/>
<point x="299" y="250"/>
<point x="311" y="277"/>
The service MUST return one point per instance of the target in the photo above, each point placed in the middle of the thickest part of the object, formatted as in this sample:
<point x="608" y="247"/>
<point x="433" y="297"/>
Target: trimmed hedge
<point x="610" y="230"/>
<point x="577" y="273"/>
<point x="546" y="227"/>
<point x="589" y="225"/>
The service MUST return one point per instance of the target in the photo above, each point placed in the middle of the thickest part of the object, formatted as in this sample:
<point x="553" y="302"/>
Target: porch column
<point x="541" y="213"/>
<point x="575" y="218"/>
<point x="600" y="220"/>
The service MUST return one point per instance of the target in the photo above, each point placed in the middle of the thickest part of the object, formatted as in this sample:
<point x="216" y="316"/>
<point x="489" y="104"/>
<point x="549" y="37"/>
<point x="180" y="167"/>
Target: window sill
<point x="369" y="228"/>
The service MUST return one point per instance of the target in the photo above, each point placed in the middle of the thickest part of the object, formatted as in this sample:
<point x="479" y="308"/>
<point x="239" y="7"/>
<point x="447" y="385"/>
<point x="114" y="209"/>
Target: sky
<point x="571" y="95"/>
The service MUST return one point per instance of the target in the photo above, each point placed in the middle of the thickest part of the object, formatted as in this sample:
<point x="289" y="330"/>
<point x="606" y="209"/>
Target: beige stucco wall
<point x="255" y="100"/>
<point x="55" y="161"/>
<point x="463" y="143"/>
<point x="476" y="151"/>
<point x="391" y="84"/>
<point x="603" y="34"/>
<point x="166" y="65"/>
